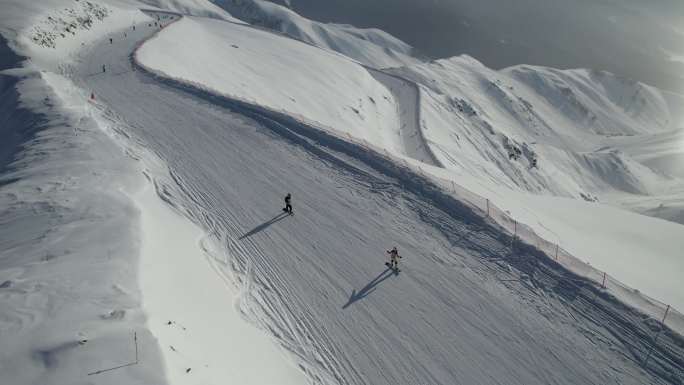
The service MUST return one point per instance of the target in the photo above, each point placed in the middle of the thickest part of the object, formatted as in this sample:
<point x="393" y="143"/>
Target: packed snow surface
<point x="316" y="280"/>
<point x="208" y="336"/>
<point x="468" y="119"/>
<point x="103" y="281"/>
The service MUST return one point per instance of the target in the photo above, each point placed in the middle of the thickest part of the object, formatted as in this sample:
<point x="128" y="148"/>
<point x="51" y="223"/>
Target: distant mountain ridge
<point x="372" y="47"/>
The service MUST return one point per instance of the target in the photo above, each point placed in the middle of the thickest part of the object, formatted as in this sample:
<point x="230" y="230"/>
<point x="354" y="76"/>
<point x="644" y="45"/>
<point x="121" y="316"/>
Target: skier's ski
<point x="395" y="269"/>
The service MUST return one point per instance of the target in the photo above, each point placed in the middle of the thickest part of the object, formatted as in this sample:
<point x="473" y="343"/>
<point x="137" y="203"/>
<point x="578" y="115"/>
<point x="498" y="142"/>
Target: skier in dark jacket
<point x="288" y="206"/>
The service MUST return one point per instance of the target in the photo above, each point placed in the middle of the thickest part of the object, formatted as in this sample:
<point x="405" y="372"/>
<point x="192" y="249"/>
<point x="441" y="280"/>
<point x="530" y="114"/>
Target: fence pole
<point x="655" y="340"/>
<point x="603" y="284"/>
<point x="453" y="186"/>
<point x="515" y="233"/>
<point x="556" y="252"/>
<point x="135" y="340"/>
<point x="665" y="315"/>
<point x="488" y="207"/>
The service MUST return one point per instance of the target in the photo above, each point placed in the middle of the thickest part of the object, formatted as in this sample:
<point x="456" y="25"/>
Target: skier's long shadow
<point x="369" y="288"/>
<point x="264" y="225"/>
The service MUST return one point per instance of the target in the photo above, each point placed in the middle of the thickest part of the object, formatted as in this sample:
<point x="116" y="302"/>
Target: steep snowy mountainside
<point x="662" y="151"/>
<point x="543" y="130"/>
<point x="675" y="102"/>
<point x="204" y="8"/>
<point x="372" y="47"/>
<point x="52" y="31"/>
<point x="274" y="71"/>
<point x="597" y="101"/>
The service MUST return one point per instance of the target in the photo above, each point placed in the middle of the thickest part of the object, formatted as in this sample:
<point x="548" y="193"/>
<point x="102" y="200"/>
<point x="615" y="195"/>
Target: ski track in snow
<point x="465" y="308"/>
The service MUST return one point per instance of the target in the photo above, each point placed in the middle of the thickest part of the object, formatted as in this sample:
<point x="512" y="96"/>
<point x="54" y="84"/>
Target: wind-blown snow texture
<point x="69" y="300"/>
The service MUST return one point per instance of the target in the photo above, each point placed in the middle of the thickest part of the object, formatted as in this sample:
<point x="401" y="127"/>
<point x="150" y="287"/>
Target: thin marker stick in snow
<point x="515" y="233"/>
<point x="603" y="284"/>
<point x="135" y="341"/>
<point x="655" y="340"/>
<point x="665" y="315"/>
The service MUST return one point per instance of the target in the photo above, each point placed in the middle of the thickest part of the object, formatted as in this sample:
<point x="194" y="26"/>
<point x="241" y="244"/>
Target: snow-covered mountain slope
<point x="316" y="280"/>
<point x="280" y="73"/>
<point x="467" y="307"/>
<point x="614" y="240"/>
<point x="69" y="299"/>
<point x="545" y="131"/>
<point x="594" y="137"/>
<point x="372" y="47"/>
<point x="467" y="123"/>
<point x="71" y="310"/>
<point x="204" y="8"/>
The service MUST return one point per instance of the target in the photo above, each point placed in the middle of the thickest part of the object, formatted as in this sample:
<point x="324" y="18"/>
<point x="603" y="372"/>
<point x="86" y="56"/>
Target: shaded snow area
<point x="144" y="157"/>
<point x="69" y="298"/>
